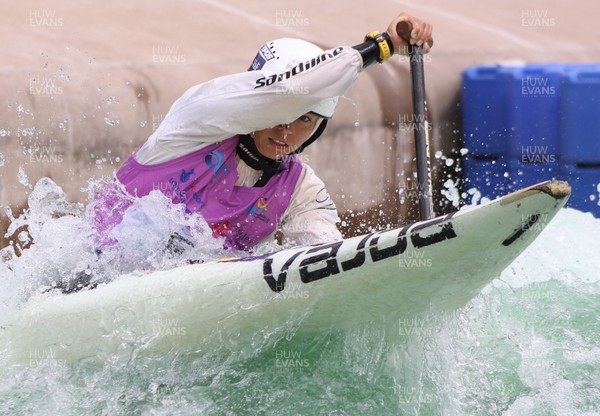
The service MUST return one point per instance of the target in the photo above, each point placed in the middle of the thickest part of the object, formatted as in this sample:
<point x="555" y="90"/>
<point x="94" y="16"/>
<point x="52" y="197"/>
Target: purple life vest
<point x="205" y="182"/>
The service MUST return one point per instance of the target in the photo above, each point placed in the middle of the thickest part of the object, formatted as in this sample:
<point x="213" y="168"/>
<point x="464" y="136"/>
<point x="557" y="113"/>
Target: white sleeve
<point x="312" y="216"/>
<point x="242" y="103"/>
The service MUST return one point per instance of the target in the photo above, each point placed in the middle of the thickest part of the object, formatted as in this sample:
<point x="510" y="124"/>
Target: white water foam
<point x="527" y="345"/>
<point x="60" y="242"/>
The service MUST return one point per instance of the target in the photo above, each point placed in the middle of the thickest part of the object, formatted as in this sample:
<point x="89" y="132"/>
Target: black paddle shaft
<point x="421" y="125"/>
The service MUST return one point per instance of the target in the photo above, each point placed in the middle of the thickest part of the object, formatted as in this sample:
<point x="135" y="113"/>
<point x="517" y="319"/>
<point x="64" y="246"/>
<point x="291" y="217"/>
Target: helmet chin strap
<point x="249" y="153"/>
<point x="313" y="137"/>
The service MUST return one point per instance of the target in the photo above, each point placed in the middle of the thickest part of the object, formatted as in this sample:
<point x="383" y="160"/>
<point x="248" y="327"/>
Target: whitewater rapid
<point x="528" y="344"/>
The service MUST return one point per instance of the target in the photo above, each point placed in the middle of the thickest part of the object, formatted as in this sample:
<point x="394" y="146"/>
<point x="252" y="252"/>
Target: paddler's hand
<point x="418" y="32"/>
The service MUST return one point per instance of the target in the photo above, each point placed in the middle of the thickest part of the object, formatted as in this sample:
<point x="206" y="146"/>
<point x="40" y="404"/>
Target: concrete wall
<point x="84" y="83"/>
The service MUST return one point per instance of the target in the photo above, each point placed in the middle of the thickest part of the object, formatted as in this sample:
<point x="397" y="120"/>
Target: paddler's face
<point x="284" y="139"/>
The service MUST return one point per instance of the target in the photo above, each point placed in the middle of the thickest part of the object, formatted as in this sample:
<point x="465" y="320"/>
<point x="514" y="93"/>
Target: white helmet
<point x="282" y="55"/>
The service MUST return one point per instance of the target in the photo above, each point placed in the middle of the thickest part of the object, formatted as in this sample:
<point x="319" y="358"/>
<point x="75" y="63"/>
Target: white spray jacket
<point x="245" y="102"/>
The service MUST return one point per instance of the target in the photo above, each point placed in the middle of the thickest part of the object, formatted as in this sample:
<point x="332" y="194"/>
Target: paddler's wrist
<point x="377" y="47"/>
<point x="384" y="44"/>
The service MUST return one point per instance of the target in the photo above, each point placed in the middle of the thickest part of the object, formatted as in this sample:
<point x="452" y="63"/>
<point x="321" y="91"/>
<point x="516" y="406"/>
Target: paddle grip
<point x="404" y="28"/>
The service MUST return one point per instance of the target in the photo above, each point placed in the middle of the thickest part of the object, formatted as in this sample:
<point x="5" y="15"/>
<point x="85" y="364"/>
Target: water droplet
<point x="464" y="151"/>
<point x="23" y="236"/>
<point x="438" y="154"/>
<point x="63" y="75"/>
<point x="356" y="123"/>
<point x="22" y="176"/>
<point x="4" y="133"/>
<point x="63" y="124"/>
<point x="9" y="213"/>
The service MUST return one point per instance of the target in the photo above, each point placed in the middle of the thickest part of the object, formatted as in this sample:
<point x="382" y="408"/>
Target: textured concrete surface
<point x="84" y="83"/>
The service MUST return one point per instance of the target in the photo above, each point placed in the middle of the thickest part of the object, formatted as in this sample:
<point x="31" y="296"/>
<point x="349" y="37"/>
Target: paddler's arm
<point x="240" y="103"/>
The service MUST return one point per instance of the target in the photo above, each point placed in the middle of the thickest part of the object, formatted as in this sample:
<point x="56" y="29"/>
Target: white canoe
<point x="440" y="263"/>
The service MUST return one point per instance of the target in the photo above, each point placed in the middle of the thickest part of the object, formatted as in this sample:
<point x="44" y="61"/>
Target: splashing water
<point x="356" y="109"/>
<point x="23" y="179"/>
<point x="527" y="345"/>
<point x="65" y="243"/>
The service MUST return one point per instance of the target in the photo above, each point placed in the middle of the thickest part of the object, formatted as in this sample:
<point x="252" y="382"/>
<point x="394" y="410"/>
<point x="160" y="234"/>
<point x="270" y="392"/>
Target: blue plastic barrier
<point x="580" y="115"/>
<point x="527" y="124"/>
<point x="484" y="110"/>
<point x="533" y="106"/>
